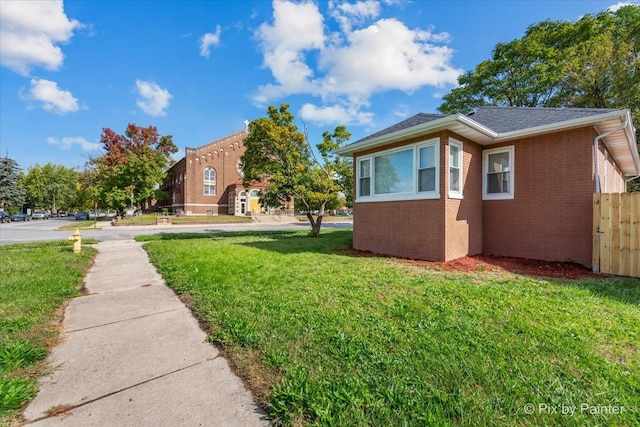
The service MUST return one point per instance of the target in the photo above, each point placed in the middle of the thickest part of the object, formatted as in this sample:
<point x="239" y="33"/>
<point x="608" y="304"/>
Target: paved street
<point x="47" y="230"/>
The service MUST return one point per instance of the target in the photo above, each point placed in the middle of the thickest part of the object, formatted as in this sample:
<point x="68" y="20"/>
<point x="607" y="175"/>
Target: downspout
<point x="596" y="175"/>
<point x="626" y="181"/>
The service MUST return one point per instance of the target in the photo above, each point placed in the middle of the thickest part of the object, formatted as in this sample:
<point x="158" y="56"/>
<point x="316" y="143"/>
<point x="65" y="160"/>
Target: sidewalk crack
<point x="122" y="320"/>
<point x="69" y="408"/>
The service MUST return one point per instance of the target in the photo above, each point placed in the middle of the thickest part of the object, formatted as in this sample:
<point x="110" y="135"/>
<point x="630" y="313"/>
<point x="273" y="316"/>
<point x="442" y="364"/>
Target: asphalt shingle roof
<point x="508" y="119"/>
<point x="412" y="121"/>
<point x="501" y="119"/>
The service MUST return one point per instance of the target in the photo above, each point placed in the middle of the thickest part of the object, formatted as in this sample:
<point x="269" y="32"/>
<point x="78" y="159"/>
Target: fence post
<point x="625" y="234"/>
<point x="605" y="233"/>
<point x="634" y="234"/>
<point x="595" y="251"/>
<point x="614" y="239"/>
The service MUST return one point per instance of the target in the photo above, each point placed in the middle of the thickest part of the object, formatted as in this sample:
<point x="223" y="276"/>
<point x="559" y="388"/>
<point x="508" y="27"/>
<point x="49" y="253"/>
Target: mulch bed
<point x="492" y="263"/>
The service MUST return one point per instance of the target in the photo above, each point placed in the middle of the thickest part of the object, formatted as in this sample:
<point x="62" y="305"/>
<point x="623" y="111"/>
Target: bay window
<point x="405" y="173"/>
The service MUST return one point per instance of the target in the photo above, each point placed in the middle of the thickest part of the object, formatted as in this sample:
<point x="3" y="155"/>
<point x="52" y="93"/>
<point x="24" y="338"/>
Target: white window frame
<point x="453" y="194"/>
<point x="485" y="170"/>
<point x="414" y="194"/>
<point x="358" y="185"/>
<point x="209" y="183"/>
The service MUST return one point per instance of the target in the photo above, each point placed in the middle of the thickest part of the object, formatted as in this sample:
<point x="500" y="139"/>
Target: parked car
<point x="4" y="217"/>
<point x="82" y="216"/>
<point x="40" y="215"/>
<point x="62" y="214"/>
<point x="20" y="217"/>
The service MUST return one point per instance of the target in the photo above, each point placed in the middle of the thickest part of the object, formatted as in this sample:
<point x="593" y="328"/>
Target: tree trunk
<point x="317" y="224"/>
<point x="315" y="228"/>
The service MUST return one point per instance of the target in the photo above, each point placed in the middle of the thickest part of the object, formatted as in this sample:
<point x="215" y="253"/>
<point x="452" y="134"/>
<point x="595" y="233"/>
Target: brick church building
<point x="208" y="180"/>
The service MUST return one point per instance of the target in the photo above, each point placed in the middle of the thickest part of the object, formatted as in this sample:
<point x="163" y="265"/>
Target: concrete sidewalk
<point x="131" y="354"/>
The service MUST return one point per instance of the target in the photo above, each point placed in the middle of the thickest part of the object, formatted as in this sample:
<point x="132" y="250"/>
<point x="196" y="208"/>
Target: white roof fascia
<point x="633" y="144"/>
<point x="553" y="127"/>
<point x="444" y="122"/>
<point x="477" y="126"/>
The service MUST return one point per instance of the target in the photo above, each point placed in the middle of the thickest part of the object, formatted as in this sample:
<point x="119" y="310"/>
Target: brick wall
<point x="185" y="183"/>
<point x="174" y="188"/>
<point x="464" y="216"/>
<point x="409" y="229"/>
<point x="610" y="175"/>
<point x="550" y="217"/>
<point x="223" y="156"/>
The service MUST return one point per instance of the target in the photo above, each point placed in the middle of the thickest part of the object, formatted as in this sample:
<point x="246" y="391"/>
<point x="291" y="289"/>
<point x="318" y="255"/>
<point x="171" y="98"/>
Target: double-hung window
<point x="405" y="173"/>
<point x="364" y="178"/>
<point x="455" y="169"/>
<point x="209" y="182"/>
<point x="427" y="168"/>
<point x="497" y="168"/>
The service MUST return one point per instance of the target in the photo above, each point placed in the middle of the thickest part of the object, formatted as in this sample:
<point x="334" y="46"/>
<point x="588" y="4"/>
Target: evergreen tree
<point x="11" y="192"/>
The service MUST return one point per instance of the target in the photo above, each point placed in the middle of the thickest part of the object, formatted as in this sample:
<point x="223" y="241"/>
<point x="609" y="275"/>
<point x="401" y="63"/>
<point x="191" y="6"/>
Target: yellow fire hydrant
<point x="76" y="238"/>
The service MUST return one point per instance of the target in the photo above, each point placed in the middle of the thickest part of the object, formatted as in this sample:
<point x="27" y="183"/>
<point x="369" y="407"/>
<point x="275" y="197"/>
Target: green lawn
<point x="200" y="219"/>
<point x="327" y="338"/>
<point x="35" y="280"/>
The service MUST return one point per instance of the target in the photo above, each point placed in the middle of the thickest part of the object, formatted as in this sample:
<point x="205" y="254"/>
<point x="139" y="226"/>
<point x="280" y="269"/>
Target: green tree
<point x="11" y="192"/>
<point x="594" y="63"/>
<point x="276" y="151"/>
<point x="133" y="166"/>
<point x="51" y="186"/>
<point x="341" y="167"/>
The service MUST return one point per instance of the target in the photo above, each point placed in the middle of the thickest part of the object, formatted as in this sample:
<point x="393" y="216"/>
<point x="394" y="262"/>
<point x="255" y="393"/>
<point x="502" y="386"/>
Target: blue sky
<point x="198" y="69"/>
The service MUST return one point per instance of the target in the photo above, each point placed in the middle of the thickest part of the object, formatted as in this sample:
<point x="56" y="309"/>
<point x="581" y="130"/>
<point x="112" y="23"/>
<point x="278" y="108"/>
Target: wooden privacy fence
<point x="616" y="228"/>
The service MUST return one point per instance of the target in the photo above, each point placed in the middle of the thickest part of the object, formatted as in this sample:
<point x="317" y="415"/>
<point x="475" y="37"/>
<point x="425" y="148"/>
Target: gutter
<point x="596" y="144"/>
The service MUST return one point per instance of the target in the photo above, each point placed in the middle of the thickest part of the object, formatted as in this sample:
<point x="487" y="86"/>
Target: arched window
<point x="209" y="182"/>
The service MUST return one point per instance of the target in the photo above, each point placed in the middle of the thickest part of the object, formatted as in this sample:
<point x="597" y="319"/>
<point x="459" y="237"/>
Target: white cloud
<point x="327" y="115"/>
<point x="405" y="60"/>
<point x="349" y="14"/>
<point x="208" y="40"/>
<point x="52" y="98"/>
<point x="30" y="32"/>
<point x="367" y="56"/>
<point x="152" y="99"/>
<point x="297" y="28"/>
<point x="69" y="141"/>
<point x="618" y="5"/>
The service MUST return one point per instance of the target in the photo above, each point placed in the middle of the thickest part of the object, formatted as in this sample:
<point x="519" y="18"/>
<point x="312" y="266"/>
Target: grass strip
<point x="324" y="337"/>
<point x="35" y="281"/>
<point x="201" y="219"/>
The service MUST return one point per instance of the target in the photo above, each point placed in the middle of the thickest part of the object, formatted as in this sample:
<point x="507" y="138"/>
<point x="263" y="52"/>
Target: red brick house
<point x="503" y="181"/>
<point x="208" y="181"/>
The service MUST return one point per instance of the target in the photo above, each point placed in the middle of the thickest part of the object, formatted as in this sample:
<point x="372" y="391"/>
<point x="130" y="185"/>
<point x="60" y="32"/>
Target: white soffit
<point x="621" y="144"/>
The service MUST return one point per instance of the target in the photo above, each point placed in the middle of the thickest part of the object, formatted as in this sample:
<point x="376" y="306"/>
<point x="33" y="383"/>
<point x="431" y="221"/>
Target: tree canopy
<point x="51" y="186"/>
<point x="593" y="63"/>
<point x="11" y="193"/>
<point x="132" y="167"/>
<point x="276" y="151"/>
